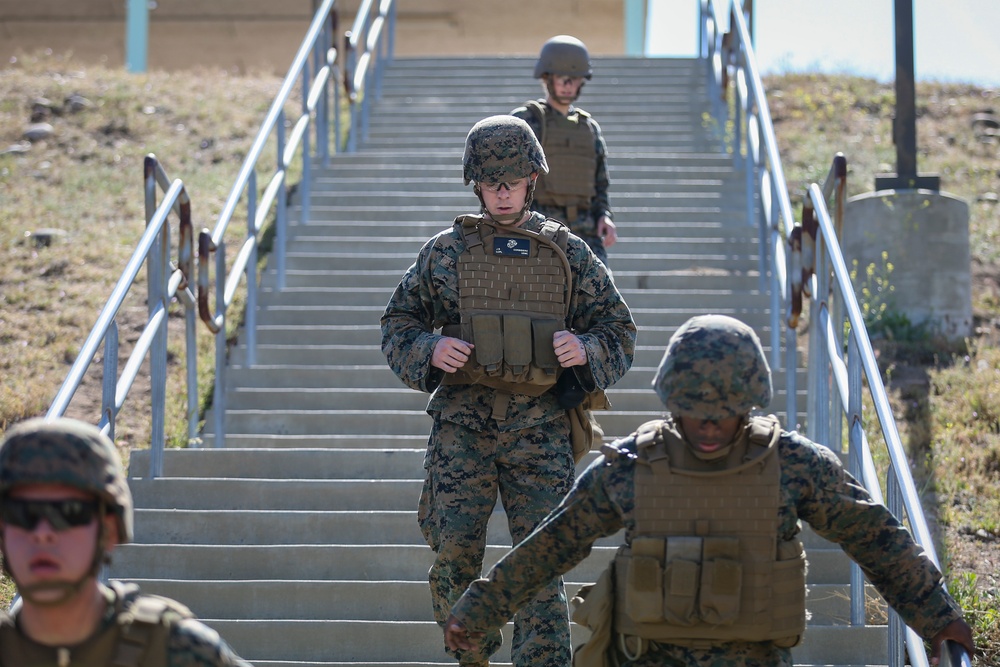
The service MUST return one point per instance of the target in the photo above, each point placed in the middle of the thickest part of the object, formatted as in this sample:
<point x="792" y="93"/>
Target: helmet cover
<point x="70" y="452"/>
<point x="499" y="149"/>
<point x="714" y="368"/>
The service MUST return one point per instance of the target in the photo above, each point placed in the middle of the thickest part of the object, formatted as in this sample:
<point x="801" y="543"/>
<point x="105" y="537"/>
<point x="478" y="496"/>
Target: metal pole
<point x="905" y="125"/>
<point x="136" y="35"/>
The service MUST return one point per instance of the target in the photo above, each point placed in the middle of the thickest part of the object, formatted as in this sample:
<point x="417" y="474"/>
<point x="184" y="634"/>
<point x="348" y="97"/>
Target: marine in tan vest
<point x="710" y="497"/>
<point x="64" y="507"/>
<point x="500" y="317"/>
<point x="575" y="189"/>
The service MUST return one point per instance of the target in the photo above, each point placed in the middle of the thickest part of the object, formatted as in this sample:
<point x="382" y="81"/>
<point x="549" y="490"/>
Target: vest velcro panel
<point x="568" y="143"/>
<point x="513" y="287"/>
<point x="712" y="537"/>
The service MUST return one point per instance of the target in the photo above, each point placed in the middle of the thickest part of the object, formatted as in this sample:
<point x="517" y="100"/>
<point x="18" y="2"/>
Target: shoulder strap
<point x="555" y="231"/>
<point x="142" y="620"/>
<point x="765" y="430"/>
<point x="536" y="108"/>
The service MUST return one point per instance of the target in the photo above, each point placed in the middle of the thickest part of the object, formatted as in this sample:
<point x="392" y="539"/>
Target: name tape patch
<point x="516" y="247"/>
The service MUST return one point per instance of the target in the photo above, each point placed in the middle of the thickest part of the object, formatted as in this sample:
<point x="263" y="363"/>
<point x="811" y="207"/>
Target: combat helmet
<point x="500" y="149"/>
<point x="70" y="452"/>
<point x="714" y="368"/>
<point x="564" y="55"/>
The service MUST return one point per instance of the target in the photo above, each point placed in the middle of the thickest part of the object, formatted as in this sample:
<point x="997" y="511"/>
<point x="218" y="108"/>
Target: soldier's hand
<point x="957" y="631"/>
<point x="457" y="638"/>
<point x="569" y="349"/>
<point x="450" y="354"/>
<point x="606" y="230"/>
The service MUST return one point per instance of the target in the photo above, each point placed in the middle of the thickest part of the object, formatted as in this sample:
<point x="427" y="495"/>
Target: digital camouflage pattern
<point x="815" y="488"/>
<point x="714" y="368"/>
<point x="483" y="441"/>
<point x="499" y="149"/>
<point x="564" y="55"/>
<point x="532" y="470"/>
<point x="70" y="452"/>
<point x="584" y="224"/>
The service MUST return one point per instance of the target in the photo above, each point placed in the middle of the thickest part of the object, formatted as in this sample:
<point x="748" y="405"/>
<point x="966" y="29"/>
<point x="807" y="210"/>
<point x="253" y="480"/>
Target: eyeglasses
<point x="61" y="514"/>
<point x="510" y="185"/>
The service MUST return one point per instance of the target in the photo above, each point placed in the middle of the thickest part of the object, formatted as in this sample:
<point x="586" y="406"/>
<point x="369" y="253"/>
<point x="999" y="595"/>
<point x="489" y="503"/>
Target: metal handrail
<point x="805" y="260"/>
<point x="317" y="54"/>
<point x="165" y="281"/>
<point x="371" y="44"/>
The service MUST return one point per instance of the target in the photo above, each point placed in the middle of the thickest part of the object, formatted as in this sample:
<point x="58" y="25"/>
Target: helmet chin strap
<point x="510" y="217"/>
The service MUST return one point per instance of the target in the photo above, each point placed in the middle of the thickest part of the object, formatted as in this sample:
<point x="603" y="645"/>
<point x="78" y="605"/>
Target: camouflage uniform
<point x="585" y="224"/>
<point x="484" y="441"/>
<point x="814" y="487"/>
<point x="565" y="55"/>
<point x="189" y="643"/>
<point x="78" y="455"/>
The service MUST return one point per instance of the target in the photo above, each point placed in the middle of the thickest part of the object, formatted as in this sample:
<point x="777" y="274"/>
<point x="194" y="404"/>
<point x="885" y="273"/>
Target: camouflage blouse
<point x="427" y="299"/>
<point x="815" y="488"/>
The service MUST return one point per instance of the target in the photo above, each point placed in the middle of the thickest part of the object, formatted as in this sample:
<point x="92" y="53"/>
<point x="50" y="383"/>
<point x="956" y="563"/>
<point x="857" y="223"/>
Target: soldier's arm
<point x="601" y="319"/>
<point x="600" y="205"/>
<point x="408" y="339"/>
<point x="191" y="643"/>
<point x="839" y="508"/>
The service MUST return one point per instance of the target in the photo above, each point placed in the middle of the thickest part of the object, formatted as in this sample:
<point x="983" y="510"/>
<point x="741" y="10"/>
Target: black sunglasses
<point x="61" y="514"/>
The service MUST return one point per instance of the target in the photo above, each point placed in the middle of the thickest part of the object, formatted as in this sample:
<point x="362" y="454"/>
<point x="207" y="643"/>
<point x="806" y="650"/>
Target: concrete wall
<point x="246" y="35"/>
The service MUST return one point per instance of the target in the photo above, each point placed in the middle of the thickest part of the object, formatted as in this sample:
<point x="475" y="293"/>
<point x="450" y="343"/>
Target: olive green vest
<point x="705" y="563"/>
<point x="137" y="638"/>
<point x="514" y="288"/>
<point x="568" y="143"/>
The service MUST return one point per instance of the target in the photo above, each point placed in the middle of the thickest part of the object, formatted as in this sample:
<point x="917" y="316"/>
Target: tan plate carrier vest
<point x="568" y="143"/>
<point x="138" y="638"/>
<point x="514" y="289"/>
<point x="705" y="564"/>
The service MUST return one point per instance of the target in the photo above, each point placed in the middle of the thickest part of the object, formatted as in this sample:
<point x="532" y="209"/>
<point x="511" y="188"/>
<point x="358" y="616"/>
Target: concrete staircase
<point x="297" y="540"/>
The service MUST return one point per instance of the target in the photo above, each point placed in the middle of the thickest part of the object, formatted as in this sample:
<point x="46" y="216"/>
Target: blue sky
<point x="954" y="40"/>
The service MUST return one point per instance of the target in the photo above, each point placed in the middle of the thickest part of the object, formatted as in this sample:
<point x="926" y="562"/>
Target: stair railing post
<point x="221" y="342"/>
<point x="305" y="195"/>
<point x="281" y="210"/>
<point x="250" y="314"/>
<point x="854" y="463"/>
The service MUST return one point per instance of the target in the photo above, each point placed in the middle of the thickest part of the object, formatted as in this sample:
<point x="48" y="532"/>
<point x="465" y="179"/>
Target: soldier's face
<point x="567" y="87"/>
<point x="53" y="549"/>
<point x="707" y="435"/>
<point x="505" y="198"/>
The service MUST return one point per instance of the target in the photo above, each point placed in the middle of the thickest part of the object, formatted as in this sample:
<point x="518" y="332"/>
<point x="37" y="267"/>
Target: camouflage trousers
<point x="729" y="654"/>
<point x="531" y="470"/>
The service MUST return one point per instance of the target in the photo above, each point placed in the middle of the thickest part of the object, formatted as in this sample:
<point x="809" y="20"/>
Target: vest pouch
<point x="681" y="577"/>
<point x="488" y="337"/>
<point x="542" y="332"/>
<point x="644" y="589"/>
<point x="721" y="581"/>
<point x="517" y="346"/>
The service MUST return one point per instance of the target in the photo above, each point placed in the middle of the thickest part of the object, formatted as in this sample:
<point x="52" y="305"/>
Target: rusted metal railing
<point x="165" y="281"/>
<point x="370" y="46"/>
<point x="316" y="68"/>
<point x="801" y="264"/>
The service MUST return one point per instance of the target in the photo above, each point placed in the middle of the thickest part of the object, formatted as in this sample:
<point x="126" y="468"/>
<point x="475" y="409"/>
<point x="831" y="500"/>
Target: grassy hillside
<point x="85" y="181"/>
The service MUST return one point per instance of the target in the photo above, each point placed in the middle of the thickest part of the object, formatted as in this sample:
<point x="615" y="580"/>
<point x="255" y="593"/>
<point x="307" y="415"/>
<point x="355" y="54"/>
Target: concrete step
<point x="387" y="279"/>
<point x="274" y="599"/>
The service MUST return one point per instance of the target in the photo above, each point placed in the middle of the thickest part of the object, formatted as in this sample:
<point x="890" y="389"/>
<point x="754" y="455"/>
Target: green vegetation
<point x="86" y="180"/>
